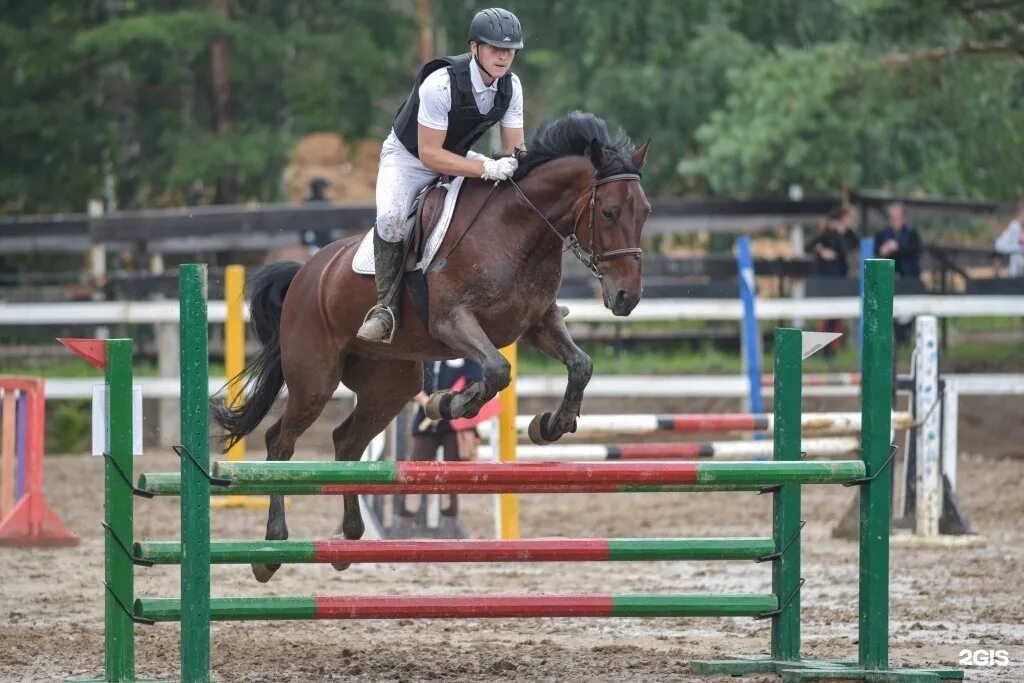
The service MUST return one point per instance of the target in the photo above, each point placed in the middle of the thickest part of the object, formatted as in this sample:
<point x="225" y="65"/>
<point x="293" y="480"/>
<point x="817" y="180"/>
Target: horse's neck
<point x="555" y="189"/>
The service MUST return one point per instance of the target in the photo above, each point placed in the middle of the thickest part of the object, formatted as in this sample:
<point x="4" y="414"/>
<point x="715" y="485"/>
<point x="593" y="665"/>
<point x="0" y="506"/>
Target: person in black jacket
<point x="901" y="243"/>
<point x="831" y="248"/>
<point x="429" y="435"/>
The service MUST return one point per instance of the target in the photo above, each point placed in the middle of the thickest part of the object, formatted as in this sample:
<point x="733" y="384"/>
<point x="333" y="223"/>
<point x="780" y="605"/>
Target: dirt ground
<point x="942" y="602"/>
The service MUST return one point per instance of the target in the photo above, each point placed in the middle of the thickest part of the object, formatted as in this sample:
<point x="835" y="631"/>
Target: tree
<point x="921" y="96"/>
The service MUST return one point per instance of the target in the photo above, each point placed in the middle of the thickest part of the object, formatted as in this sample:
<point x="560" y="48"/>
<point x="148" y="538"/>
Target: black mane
<point x="571" y="135"/>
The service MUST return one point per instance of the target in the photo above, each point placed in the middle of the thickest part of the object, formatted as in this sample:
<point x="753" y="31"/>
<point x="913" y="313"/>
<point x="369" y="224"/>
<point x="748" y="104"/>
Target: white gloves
<point x="499" y="169"/>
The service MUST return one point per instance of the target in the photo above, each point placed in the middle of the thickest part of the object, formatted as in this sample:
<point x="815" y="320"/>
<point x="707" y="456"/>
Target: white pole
<point x="929" y="476"/>
<point x="950" y="419"/>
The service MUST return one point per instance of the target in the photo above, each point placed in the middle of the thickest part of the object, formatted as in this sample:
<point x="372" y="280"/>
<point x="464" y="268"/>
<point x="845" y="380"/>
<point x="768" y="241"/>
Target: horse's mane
<point x="571" y="135"/>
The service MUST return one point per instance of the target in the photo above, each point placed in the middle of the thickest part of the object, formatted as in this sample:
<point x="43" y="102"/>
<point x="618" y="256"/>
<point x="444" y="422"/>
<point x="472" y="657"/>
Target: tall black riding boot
<point x="382" y="320"/>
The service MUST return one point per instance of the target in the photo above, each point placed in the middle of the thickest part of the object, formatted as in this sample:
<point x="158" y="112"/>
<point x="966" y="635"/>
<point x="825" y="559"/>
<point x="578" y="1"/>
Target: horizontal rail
<point x="817" y="424"/>
<point x="453" y="476"/>
<point x="833" y="447"/>
<point x="419" y="550"/>
<point x="581" y="310"/>
<point x="169" y="484"/>
<point x="468" y="607"/>
<point x="609" y="386"/>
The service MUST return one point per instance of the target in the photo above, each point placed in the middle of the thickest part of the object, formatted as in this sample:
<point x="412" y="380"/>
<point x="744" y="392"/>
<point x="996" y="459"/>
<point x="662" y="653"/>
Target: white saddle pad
<point x="362" y="263"/>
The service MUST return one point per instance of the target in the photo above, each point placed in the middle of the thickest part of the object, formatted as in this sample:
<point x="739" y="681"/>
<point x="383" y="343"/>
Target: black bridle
<point x="590" y="258"/>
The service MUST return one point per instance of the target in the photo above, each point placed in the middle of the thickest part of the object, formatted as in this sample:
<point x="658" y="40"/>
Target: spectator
<point x="829" y="248"/>
<point x="1011" y="242"/>
<point x="428" y="435"/>
<point x="316" y="239"/>
<point x="901" y="243"/>
<point x="848" y="228"/>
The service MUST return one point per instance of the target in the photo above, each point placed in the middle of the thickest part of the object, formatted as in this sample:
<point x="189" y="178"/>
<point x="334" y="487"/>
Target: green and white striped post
<point x="195" y="486"/>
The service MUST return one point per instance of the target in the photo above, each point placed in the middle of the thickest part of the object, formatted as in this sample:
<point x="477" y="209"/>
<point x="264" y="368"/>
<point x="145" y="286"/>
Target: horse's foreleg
<point x="461" y="331"/>
<point x="552" y="338"/>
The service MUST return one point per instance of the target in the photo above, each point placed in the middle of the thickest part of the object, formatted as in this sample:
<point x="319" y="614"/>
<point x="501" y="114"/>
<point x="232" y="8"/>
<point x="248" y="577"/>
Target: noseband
<point x="590" y="258"/>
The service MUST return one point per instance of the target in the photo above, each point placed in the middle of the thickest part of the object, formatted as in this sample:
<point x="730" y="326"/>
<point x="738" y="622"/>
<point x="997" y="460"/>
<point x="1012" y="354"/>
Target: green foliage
<point x="69" y="428"/>
<point x="739" y="97"/>
<point x="877" y="107"/>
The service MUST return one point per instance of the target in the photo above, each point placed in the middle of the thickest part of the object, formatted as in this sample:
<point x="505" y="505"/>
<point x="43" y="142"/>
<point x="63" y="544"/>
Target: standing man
<point x="901" y="243"/>
<point x="454" y="101"/>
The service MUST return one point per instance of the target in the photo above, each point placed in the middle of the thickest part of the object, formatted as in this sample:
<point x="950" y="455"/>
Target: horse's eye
<point x="610" y="214"/>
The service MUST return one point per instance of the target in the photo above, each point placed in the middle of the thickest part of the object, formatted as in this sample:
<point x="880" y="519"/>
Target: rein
<point x="590" y="258"/>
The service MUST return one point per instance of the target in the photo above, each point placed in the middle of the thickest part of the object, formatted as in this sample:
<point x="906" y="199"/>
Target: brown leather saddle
<point x="424" y="214"/>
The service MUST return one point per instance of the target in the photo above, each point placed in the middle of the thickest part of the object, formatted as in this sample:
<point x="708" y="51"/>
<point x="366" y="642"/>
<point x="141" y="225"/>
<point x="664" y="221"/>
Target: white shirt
<point x="1010" y="243"/>
<point x="436" y="99"/>
<point x="436" y="103"/>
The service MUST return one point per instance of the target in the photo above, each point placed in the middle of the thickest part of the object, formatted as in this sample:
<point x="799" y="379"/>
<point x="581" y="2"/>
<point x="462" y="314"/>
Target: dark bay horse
<point x="493" y="282"/>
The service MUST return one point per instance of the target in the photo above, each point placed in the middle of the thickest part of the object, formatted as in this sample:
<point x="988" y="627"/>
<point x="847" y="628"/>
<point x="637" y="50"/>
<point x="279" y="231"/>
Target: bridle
<point x="590" y="258"/>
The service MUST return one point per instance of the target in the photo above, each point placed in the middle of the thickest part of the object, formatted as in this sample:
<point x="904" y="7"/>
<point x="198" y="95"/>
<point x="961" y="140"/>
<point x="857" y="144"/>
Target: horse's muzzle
<point x="623" y="304"/>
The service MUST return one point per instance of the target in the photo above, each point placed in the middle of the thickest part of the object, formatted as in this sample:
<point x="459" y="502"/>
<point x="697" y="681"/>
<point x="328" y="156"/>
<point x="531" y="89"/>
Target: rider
<point x="454" y="101"/>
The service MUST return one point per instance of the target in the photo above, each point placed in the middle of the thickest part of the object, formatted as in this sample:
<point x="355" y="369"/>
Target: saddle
<point x="424" y="215"/>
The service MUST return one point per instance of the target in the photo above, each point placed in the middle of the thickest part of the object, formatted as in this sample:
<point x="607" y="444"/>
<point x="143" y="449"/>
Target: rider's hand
<point x="499" y="169"/>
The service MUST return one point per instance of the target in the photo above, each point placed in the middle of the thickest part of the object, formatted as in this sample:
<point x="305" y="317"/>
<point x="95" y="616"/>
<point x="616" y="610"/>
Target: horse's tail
<point x="263" y="376"/>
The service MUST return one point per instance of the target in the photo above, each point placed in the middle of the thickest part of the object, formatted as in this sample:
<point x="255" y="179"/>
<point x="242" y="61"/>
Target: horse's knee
<point x="498" y="373"/>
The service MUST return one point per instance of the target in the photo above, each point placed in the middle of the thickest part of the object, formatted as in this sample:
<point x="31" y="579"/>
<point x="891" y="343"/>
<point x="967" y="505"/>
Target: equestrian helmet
<point x="497" y="27"/>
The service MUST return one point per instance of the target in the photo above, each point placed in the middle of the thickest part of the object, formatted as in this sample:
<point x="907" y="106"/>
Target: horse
<point x="493" y="282"/>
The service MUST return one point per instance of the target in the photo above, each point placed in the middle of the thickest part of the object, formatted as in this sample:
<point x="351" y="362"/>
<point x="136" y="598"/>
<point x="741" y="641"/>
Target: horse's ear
<point x="640" y="155"/>
<point x="596" y="153"/>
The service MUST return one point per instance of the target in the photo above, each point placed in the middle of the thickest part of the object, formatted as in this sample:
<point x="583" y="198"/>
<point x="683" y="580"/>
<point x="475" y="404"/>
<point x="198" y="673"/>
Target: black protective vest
<point x="465" y="122"/>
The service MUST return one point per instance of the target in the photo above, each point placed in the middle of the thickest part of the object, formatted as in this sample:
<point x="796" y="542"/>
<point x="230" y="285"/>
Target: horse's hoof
<point x="264" y="572"/>
<point x="536" y="430"/>
<point x="341" y="566"/>
<point x="438" y="405"/>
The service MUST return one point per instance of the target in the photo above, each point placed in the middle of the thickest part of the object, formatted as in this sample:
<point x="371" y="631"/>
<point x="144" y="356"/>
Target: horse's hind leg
<point x="382" y="388"/>
<point x="307" y="396"/>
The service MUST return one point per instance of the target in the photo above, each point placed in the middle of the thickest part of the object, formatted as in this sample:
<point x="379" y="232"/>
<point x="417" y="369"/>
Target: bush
<point x="69" y="429"/>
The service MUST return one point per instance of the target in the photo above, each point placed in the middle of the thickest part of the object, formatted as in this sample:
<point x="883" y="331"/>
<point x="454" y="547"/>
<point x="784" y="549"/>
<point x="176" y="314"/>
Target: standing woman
<point x="454" y="101"/>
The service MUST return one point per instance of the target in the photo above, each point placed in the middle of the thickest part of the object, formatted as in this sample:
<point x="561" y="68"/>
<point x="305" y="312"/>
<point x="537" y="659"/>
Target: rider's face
<point x="496" y="60"/>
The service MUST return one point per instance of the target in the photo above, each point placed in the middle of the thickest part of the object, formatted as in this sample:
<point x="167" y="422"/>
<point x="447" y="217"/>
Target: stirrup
<point x="390" y="314"/>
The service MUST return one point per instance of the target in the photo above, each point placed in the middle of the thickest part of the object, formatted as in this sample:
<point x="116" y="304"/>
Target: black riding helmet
<point x="497" y="27"/>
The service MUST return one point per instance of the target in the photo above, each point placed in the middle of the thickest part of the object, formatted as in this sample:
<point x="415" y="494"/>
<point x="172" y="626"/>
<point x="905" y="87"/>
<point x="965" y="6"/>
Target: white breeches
<point x="400" y="178"/>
